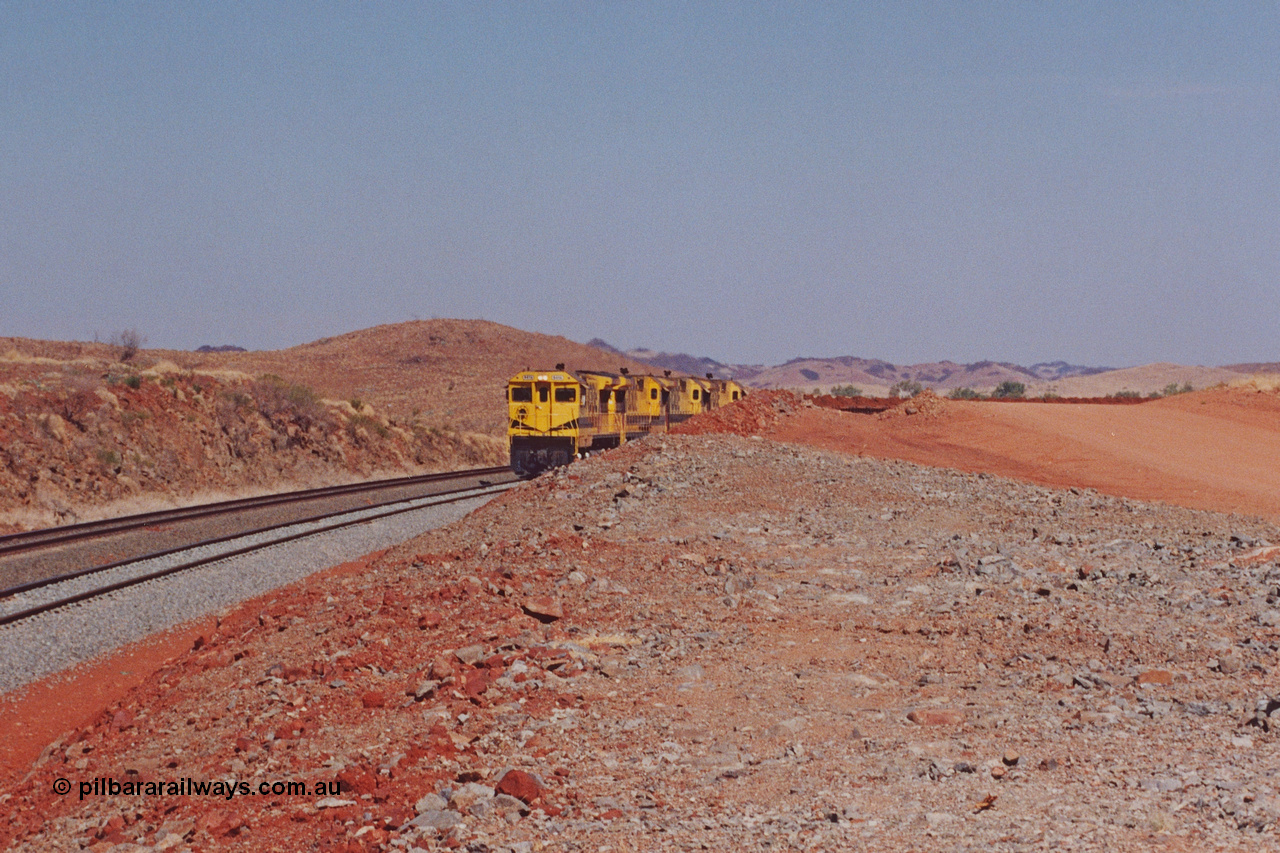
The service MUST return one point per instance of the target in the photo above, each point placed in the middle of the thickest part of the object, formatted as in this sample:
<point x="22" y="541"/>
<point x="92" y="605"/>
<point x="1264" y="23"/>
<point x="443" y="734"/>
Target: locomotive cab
<point x="726" y="391"/>
<point x="542" y="416"/>
<point x="652" y="404"/>
<point x="604" y="412"/>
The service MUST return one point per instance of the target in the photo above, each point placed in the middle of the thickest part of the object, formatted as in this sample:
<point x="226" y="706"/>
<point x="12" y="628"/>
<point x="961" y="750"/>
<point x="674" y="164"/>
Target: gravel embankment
<point x="54" y="641"/>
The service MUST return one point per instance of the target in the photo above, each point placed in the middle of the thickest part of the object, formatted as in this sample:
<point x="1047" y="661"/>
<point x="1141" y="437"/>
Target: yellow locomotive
<point x="556" y="415"/>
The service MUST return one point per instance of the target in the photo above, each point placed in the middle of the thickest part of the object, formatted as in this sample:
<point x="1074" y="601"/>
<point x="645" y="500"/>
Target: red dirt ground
<point x="32" y="717"/>
<point x="1217" y="450"/>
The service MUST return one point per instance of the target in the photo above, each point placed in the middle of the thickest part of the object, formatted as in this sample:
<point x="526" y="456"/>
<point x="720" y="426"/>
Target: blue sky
<point x="1097" y="182"/>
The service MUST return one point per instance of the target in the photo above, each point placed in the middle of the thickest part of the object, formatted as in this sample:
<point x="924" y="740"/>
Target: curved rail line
<point x="26" y="540"/>
<point x="422" y="502"/>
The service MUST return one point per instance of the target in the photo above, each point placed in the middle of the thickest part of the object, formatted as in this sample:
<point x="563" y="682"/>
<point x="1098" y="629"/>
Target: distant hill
<point x="1051" y="371"/>
<point x="1254" y="367"/>
<point x="682" y="363"/>
<point x="450" y="373"/>
<point x="1145" y="380"/>
<point x="444" y="374"/>
<point x="875" y="376"/>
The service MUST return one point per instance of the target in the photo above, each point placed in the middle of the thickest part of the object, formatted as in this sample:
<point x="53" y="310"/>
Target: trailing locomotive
<point x="555" y="415"/>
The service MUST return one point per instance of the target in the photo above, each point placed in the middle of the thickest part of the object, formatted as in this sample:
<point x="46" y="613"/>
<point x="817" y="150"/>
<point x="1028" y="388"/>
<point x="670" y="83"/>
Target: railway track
<point x="31" y="539"/>
<point x="54" y="591"/>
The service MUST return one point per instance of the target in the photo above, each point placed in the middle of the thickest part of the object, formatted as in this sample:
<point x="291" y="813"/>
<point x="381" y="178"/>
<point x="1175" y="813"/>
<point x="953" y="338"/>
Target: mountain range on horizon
<point x="451" y="370"/>
<point x="876" y="370"/>
<point x="876" y="376"/>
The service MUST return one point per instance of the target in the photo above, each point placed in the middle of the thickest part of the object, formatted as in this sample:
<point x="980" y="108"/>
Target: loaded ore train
<point x="557" y="415"/>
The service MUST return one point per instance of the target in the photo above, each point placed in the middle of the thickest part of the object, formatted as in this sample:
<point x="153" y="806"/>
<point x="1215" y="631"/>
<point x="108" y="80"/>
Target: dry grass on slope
<point x="78" y="443"/>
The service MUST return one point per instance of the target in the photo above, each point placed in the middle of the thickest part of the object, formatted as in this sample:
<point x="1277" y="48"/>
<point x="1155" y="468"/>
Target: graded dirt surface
<point x="1217" y="449"/>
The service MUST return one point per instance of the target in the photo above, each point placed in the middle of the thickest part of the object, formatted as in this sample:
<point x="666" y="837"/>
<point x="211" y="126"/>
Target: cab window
<point x="653" y="393"/>
<point x="521" y="394"/>
<point x="695" y="394"/>
<point x="542" y="394"/>
<point x="566" y="394"/>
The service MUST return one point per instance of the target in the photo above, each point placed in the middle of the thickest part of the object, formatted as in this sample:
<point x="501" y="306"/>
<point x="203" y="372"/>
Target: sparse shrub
<point x="108" y="458"/>
<point x="1009" y="390"/>
<point x="357" y="403"/>
<point x="1126" y="394"/>
<point x="236" y="399"/>
<point x="964" y="394"/>
<point x="1050" y="395"/>
<point x="78" y="401"/>
<point x="133" y="381"/>
<point x="127" y="344"/>
<point x="905" y="388"/>
<point x="368" y="424"/>
<point x="276" y="398"/>
<point x="846" y="391"/>
<point x="1174" y="388"/>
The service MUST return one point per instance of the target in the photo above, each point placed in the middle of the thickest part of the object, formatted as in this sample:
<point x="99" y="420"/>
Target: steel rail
<point x="9" y="592"/>
<point x="29" y="539"/>
<point x="449" y="497"/>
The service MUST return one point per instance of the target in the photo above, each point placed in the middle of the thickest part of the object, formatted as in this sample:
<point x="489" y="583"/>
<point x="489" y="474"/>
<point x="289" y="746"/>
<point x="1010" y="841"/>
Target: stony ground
<point x="720" y="642"/>
<point x="87" y="437"/>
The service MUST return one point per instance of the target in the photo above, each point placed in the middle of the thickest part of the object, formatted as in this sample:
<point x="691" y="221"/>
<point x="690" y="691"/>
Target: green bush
<point x="1125" y="394"/>
<point x="1009" y="390"/>
<point x="846" y="391"/>
<point x="905" y="388"/>
<point x="964" y="394"/>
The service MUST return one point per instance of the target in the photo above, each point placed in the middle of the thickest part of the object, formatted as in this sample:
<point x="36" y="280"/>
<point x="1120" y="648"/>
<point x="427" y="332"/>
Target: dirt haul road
<point x="1217" y="450"/>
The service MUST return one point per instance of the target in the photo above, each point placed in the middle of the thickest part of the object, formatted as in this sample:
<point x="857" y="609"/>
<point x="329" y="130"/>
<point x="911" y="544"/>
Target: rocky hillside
<point x="450" y="374"/>
<point x="680" y="362"/>
<point x="79" y="433"/>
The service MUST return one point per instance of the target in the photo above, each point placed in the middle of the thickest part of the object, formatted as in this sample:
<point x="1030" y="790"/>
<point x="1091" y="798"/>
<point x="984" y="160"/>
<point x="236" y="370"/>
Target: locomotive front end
<point x="542" y="416"/>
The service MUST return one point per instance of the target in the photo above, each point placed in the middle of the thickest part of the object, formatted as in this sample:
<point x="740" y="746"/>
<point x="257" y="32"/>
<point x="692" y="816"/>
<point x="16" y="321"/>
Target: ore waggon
<point x="557" y="415"/>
